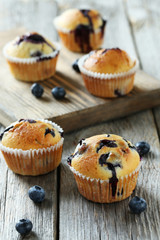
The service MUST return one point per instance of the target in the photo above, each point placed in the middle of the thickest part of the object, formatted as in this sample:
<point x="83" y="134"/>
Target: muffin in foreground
<point x="81" y="30"/>
<point x="108" y="72"/>
<point x="105" y="168"/>
<point x="31" y="57"/>
<point x="32" y="147"/>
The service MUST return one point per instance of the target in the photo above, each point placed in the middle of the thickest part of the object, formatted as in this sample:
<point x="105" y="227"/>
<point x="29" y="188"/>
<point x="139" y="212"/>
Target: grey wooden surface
<point x="134" y="26"/>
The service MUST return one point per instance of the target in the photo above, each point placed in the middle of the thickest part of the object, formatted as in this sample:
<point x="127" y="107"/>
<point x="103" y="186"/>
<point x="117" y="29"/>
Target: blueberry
<point x="36" y="54"/>
<point x="24" y="226"/>
<point x="75" y="66"/>
<point x="137" y="205"/>
<point x="37" y="90"/>
<point x="36" y="194"/>
<point x="58" y="92"/>
<point x="142" y="148"/>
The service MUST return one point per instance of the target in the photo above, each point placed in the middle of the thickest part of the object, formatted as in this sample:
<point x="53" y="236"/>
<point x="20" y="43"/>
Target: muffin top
<point x="72" y="18"/>
<point x="30" y="134"/>
<point x="30" y="45"/>
<point x="112" y="61"/>
<point x="104" y="157"/>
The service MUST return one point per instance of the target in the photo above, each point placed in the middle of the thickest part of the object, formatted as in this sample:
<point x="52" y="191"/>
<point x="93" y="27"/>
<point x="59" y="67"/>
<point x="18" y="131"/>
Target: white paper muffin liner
<point x="98" y="190"/>
<point x="34" y="161"/>
<point x="33" y="59"/>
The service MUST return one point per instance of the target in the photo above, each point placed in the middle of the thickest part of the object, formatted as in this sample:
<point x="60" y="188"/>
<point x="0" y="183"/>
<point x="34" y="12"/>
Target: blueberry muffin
<point x="105" y="167"/>
<point x="81" y="30"/>
<point x="32" y="147"/>
<point x="108" y="72"/>
<point x="31" y="57"/>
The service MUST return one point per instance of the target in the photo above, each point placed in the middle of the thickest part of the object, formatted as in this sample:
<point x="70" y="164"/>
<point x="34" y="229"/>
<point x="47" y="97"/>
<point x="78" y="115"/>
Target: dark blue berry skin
<point x="37" y="90"/>
<point x="75" y="66"/>
<point x="142" y="148"/>
<point x="36" y="194"/>
<point x="58" y="92"/>
<point x="24" y="226"/>
<point x="137" y="205"/>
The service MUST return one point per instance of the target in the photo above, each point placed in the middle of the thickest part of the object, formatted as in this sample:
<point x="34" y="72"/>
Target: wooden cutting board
<point x="79" y="108"/>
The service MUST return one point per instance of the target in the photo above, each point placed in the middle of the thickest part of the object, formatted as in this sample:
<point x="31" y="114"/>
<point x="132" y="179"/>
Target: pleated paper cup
<point x="34" y="162"/>
<point x="101" y="191"/>
<point x="108" y="85"/>
<point x="68" y="39"/>
<point x="33" y="69"/>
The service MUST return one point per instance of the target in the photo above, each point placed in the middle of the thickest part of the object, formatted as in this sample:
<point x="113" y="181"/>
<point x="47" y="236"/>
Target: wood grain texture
<point x="34" y="15"/>
<point x="144" y="19"/>
<point x="14" y="201"/>
<point x="16" y="98"/>
<point x="15" y="205"/>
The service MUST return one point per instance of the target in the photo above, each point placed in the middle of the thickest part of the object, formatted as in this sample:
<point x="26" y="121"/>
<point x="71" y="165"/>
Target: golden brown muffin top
<point x="112" y="60"/>
<point x="71" y="18"/>
<point x="104" y="157"/>
<point x="30" y="45"/>
<point x="30" y="134"/>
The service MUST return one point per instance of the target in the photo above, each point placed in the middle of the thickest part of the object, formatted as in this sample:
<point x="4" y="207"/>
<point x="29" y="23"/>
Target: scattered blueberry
<point x="75" y="66"/>
<point x="36" y="194"/>
<point x="137" y="205"/>
<point x="142" y="148"/>
<point x="58" y="92"/>
<point x="24" y="226"/>
<point x="37" y="90"/>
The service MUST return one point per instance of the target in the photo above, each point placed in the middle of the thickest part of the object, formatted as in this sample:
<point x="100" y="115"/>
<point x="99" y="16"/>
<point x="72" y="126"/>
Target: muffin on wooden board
<point x="31" y="57"/>
<point x="32" y="147"/>
<point x="108" y="72"/>
<point x="105" y="168"/>
<point x="81" y="30"/>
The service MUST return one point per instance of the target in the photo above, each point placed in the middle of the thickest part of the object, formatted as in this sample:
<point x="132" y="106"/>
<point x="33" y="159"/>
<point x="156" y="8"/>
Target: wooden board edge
<point x="92" y="115"/>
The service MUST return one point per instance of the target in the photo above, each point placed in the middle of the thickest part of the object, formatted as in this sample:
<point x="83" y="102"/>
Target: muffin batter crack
<point x="113" y="180"/>
<point x="34" y="38"/>
<point x="82" y="32"/>
<point x="27" y="120"/>
<point x="82" y="149"/>
<point x="69" y="160"/>
<point x="51" y="131"/>
<point x="6" y="130"/>
<point x="107" y="143"/>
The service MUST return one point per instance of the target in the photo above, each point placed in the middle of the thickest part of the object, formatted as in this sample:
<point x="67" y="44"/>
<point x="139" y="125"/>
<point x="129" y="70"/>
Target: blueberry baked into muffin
<point x="105" y="168"/>
<point x="108" y="72"/>
<point x="81" y="30"/>
<point x="31" y="57"/>
<point x="32" y="147"/>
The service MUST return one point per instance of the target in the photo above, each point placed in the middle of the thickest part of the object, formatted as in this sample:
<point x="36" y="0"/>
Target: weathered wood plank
<point x="14" y="201"/>
<point x="144" y="20"/>
<point x="33" y="15"/>
<point x="16" y="205"/>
